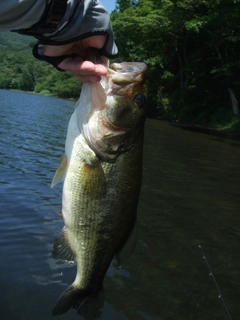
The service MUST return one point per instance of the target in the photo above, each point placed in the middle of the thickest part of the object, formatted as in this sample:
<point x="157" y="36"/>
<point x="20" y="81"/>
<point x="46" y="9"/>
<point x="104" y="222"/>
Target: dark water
<point x="190" y="197"/>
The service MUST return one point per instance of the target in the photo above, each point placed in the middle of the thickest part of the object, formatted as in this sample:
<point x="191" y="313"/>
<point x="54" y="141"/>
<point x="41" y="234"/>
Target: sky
<point x="108" y="4"/>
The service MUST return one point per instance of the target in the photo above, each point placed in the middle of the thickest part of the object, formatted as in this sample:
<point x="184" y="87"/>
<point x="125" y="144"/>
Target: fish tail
<point x="89" y="304"/>
<point x="91" y="307"/>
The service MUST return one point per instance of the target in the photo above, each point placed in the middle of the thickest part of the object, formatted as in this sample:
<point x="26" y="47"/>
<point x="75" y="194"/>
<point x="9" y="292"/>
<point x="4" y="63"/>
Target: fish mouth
<point x="129" y="67"/>
<point x="123" y="78"/>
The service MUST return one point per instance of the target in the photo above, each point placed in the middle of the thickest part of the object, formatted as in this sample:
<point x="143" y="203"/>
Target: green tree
<point x="21" y="71"/>
<point x="141" y="33"/>
<point x="191" y="49"/>
<point x="122" y="5"/>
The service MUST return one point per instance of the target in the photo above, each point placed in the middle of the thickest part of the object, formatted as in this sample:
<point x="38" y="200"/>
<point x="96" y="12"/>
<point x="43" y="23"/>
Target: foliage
<point x="192" y="50"/>
<point x="21" y="71"/>
<point x="122" y="5"/>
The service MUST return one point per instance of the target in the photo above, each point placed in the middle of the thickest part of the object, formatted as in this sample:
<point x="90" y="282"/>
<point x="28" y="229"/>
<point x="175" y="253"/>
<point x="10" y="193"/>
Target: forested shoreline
<point x="21" y="71"/>
<point x="191" y="47"/>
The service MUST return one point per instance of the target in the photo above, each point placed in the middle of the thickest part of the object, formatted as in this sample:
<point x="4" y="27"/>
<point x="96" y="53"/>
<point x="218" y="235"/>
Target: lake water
<point x="190" y="197"/>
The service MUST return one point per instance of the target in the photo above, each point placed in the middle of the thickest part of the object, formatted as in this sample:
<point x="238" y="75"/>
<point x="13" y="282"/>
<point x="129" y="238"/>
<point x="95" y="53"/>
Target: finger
<point x="52" y="51"/>
<point x="78" y="47"/>
<point x="76" y="66"/>
<point x="94" y="41"/>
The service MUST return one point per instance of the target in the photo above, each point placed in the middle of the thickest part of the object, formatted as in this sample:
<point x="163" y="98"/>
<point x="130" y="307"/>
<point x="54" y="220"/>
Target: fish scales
<point x="102" y="179"/>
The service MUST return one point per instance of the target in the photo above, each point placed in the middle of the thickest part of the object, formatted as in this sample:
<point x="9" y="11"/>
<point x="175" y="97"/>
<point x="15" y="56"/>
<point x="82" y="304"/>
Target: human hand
<point x="80" y="67"/>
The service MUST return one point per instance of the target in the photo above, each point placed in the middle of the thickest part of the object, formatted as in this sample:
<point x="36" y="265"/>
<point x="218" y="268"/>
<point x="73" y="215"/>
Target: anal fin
<point x="61" y="249"/>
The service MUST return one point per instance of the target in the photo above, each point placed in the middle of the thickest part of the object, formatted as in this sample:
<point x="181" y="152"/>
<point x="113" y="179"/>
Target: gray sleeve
<point x="90" y="18"/>
<point x="82" y="19"/>
<point x="16" y="14"/>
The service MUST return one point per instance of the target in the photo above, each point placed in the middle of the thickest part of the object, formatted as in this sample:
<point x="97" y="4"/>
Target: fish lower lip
<point x="115" y="130"/>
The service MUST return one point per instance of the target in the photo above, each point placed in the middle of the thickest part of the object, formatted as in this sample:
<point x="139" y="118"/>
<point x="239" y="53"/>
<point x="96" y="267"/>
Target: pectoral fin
<point x="60" y="172"/>
<point x="93" y="179"/>
<point x="61" y="249"/>
<point x="127" y="250"/>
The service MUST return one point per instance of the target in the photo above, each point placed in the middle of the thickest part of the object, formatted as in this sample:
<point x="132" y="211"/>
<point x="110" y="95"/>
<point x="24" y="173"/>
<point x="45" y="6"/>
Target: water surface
<point x="190" y="197"/>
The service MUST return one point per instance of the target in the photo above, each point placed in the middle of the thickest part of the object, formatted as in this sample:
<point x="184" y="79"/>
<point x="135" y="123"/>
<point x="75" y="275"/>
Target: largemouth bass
<point x="101" y="170"/>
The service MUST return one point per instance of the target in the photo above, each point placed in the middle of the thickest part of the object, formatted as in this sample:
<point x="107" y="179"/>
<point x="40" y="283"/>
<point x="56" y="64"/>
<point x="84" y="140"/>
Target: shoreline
<point x="41" y="94"/>
<point x="230" y="134"/>
<point x="196" y="126"/>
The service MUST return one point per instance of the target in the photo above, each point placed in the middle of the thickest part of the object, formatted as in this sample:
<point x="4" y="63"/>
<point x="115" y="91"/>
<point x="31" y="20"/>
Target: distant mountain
<point x="13" y="40"/>
<point x="19" y="70"/>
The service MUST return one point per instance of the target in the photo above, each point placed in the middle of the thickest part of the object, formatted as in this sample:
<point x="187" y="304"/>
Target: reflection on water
<point x="190" y="196"/>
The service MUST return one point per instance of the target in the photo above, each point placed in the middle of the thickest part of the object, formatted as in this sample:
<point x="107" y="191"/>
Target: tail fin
<point x="89" y="305"/>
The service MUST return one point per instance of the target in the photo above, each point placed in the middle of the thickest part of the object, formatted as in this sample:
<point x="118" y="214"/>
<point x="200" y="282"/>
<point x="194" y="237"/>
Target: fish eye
<point x="140" y="100"/>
